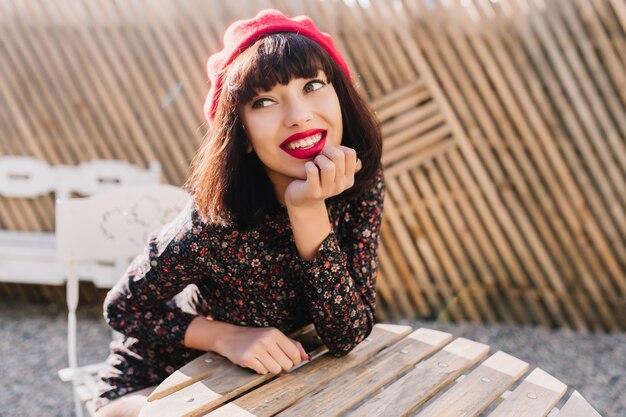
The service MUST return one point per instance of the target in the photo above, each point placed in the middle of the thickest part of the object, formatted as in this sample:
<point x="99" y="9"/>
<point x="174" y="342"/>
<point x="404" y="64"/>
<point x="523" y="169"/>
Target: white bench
<point x="31" y="257"/>
<point x="108" y="229"/>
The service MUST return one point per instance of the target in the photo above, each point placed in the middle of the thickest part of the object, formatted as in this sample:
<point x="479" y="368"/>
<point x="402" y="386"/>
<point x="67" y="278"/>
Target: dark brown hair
<point x="230" y="185"/>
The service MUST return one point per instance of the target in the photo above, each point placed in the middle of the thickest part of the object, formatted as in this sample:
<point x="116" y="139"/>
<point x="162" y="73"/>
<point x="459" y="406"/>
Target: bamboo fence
<point x="504" y="126"/>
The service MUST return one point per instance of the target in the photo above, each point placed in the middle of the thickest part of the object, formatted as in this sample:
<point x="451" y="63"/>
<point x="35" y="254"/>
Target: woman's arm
<point x="139" y="305"/>
<point x="262" y="349"/>
<point x="339" y="279"/>
<point x="331" y="173"/>
<point x="310" y="227"/>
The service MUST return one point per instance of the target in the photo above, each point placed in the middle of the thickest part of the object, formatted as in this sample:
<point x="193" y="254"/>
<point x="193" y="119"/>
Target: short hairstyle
<point x="230" y="185"/>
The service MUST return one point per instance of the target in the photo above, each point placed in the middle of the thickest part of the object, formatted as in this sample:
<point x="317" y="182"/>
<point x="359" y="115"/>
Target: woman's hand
<point x="263" y="349"/>
<point x="329" y="174"/>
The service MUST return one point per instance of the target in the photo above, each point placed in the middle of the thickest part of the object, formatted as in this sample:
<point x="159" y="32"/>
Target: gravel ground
<point x="33" y="348"/>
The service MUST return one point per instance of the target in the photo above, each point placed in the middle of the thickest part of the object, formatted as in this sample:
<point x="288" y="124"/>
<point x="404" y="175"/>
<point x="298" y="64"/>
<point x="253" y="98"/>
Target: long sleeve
<point x="140" y="304"/>
<point x="339" y="283"/>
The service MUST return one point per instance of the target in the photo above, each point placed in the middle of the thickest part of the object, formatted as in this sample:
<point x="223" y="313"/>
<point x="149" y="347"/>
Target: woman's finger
<point x="303" y="355"/>
<point x="351" y="162"/>
<point x="338" y="158"/>
<point x="257" y="367"/>
<point x="327" y="173"/>
<point x="282" y="357"/>
<point x="312" y="176"/>
<point x="290" y="349"/>
<point x="270" y="363"/>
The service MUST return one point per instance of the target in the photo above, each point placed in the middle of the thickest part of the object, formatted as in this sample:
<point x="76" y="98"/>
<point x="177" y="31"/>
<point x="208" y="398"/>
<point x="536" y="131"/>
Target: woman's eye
<point x="260" y="103"/>
<point x="314" y="85"/>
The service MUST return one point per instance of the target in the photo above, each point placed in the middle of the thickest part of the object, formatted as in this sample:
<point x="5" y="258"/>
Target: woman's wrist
<point x="310" y="225"/>
<point x="205" y="334"/>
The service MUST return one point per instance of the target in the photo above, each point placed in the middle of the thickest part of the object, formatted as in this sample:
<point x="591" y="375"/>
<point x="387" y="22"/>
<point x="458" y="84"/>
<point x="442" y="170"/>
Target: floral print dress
<point x="250" y="278"/>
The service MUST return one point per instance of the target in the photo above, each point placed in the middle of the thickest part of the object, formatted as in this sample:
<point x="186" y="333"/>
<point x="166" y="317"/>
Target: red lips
<point x="307" y="153"/>
<point x="301" y="135"/>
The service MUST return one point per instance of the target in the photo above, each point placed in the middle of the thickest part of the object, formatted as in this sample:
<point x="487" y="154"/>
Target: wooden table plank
<point x="208" y="393"/>
<point x="577" y="406"/>
<point x="280" y="393"/>
<point x="188" y="395"/>
<point x="534" y="397"/>
<point x="332" y="386"/>
<point x="412" y="390"/>
<point x="206" y="365"/>
<point x="196" y="370"/>
<point x="479" y="389"/>
<point x="357" y="384"/>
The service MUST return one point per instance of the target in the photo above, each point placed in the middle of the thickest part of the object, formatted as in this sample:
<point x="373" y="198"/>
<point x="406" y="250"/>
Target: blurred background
<point x="504" y="125"/>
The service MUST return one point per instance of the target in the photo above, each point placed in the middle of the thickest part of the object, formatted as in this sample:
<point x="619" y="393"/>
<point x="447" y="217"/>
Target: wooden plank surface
<point x="204" y="366"/>
<point x="200" y="385"/>
<point x="479" y="389"/>
<point x="328" y="386"/>
<point x="409" y="392"/>
<point x="577" y="406"/>
<point x="288" y="388"/>
<point x="534" y="397"/>
<point x="353" y="386"/>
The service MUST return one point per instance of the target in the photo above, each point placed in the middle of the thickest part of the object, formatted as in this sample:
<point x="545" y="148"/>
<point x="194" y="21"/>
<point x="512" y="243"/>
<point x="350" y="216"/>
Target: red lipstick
<point x="305" y="153"/>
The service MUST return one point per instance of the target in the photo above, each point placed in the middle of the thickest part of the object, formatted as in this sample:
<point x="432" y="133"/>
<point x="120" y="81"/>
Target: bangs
<point x="276" y="59"/>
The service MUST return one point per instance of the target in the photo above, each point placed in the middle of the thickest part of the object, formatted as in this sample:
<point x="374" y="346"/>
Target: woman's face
<point x="290" y="124"/>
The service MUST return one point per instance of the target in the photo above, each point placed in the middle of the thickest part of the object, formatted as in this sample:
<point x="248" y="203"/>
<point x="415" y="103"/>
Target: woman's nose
<point x="298" y="113"/>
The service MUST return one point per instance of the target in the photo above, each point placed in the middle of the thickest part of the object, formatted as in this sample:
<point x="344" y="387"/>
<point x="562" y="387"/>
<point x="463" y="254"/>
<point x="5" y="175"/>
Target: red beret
<point x="243" y="33"/>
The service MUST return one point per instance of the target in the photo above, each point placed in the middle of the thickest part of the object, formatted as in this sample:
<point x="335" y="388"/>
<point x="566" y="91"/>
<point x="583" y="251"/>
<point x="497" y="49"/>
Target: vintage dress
<point x="250" y="278"/>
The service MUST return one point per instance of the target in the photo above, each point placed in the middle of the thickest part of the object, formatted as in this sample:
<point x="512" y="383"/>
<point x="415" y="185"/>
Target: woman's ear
<point x="249" y="148"/>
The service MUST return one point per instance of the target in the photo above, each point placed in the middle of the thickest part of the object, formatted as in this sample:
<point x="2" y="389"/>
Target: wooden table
<point x="394" y="372"/>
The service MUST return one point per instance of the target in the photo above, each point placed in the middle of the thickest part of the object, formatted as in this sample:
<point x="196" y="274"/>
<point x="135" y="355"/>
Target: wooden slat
<point x="203" y="367"/>
<point x="458" y="268"/>
<point x="577" y="406"/>
<point x="407" y="119"/>
<point x="417" y="147"/>
<point x="288" y="388"/>
<point x="397" y="94"/>
<point x="439" y="261"/>
<point x="518" y="155"/>
<point x="404" y="284"/>
<point x="342" y="393"/>
<point x="201" y="385"/>
<point x="607" y="156"/>
<point x="399" y="106"/>
<point x="506" y="176"/>
<point x="471" y="160"/>
<point x="545" y="146"/>
<point x="378" y="80"/>
<point x="441" y="147"/>
<point x="534" y="397"/>
<point x="420" y="244"/>
<point x="515" y="107"/>
<point x="393" y="276"/>
<point x="412" y="390"/>
<point x="412" y="131"/>
<point x="107" y="97"/>
<point x="409" y="253"/>
<point x="489" y="252"/>
<point x="479" y="389"/>
<point x="552" y="79"/>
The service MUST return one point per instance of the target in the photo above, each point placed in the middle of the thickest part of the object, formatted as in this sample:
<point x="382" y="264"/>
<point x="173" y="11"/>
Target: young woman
<point x="282" y="229"/>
